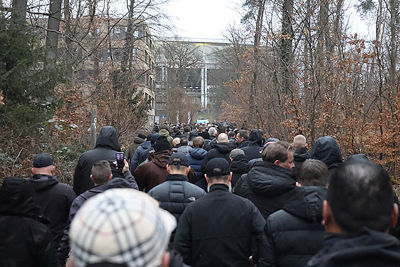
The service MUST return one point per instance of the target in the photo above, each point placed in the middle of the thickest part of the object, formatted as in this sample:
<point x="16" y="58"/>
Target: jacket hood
<point x="146" y="145"/>
<point x="239" y="164"/>
<point x="43" y="182"/>
<point x="301" y="154"/>
<point x="115" y="182"/>
<point x="198" y="153"/>
<point x="163" y="132"/>
<point x="357" y="158"/>
<point x="306" y="202"/>
<point x="326" y="150"/>
<point x="16" y="198"/>
<point x="267" y="178"/>
<point x="161" y="158"/>
<point x="108" y="138"/>
<point x="255" y="137"/>
<point x="138" y="140"/>
<point x="224" y="148"/>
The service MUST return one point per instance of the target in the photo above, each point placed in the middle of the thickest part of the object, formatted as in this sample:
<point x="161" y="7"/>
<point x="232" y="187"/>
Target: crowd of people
<point x="202" y="195"/>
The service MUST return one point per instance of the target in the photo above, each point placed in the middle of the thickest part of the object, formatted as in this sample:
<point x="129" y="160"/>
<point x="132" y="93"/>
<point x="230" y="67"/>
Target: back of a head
<point x="361" y="195"/>
<point x="120" y="226"/>
<point x="327" y="150"/>
<point x="276" y="151"/>
<point x="313" y="172"/>
<point x="186" y="129"/>
<point x="212" y="131"/>
<point x="101" y="171"/>
<point x="223" y="138"/>
<point x="198" y="141"/>
<point x="218" y="169"/>
<point x="256" y="137"/>
<point x="162" y="144"/>
<point x="299" y="141"/>
<point x="184" y="141"/>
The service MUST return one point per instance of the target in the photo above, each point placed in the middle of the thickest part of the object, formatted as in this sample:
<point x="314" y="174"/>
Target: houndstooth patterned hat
<point x="122" y="226"/>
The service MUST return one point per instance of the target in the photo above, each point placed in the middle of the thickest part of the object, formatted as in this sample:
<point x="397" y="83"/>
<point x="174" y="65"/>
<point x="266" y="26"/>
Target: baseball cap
<point x="42" y="160"/>
<point x="217" y="167"/>
<point x="179" y="159"/>
<point x="120" y="226"/>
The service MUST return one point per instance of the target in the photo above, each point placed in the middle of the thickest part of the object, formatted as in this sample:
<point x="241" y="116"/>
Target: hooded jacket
<point x="327" y="150"/>
<point x="254" y="148"/>
<point x="54" y="200"/>
<point x="196" y="156"/>
<point x="107" y="145"/>
<point x="368" y="249"/>
<point x="220" y="150"/>
<point x="24" y="241"/>
<point x="164" y="132"/>
<point x="267" y="185"/>
<point x="127" y="182"/>
<point x="239" y="166"/>
<point x="141" y="154"/>
<point x="299" y="156"/>
<point x="153" y="172"/>
<point x="130" y="151"/>
<point x="295" y="233"/>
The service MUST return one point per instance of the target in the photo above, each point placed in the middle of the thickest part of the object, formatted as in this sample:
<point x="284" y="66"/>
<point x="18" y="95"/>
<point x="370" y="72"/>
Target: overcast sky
<point x="209" y="19"/>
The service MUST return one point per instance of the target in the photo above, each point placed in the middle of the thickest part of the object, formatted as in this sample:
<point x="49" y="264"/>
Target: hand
<point x="126" y="166"/>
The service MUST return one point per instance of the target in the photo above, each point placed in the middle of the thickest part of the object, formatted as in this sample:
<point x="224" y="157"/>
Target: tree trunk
<point x="19" y="7"/>
<point x="286" y="47"/>
<point x="53" y="27"/>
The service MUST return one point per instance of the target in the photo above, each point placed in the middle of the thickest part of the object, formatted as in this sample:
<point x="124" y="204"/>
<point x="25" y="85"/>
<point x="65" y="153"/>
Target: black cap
<point x="42" y="160"/>
<point x="179" y="159"/>
<point x="217" y="167"/>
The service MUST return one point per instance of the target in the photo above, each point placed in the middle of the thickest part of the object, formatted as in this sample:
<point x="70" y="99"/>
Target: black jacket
<point x="127" y="182"/>
<point x="107" y="145"/>
<point x="239" y="166"/>
<point x="54" y="199"/>
<point x="252" y="151"/>
<point x="220" y="150"/>
<point x="367" y="249"/>
<point x="299" y="156"/>
<point x="295" y="233"/>
<point x="176" y="193"/>
<point x="140" y="155"/>
<point x="267" y="186"/>
<point x="24" y="241"/>
<point x="327" y="150"/>
<point x="218" y="230"/>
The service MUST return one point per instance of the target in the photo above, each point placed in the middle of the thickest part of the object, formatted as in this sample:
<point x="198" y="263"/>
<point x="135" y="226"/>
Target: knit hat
<point x="178" y="159"/>
<point x="217" y="167"/>
<point x="42" y="160"/>
<point x="236" y="152"/>
<point x="162" y="144"/>
<point x="120" y="226"/>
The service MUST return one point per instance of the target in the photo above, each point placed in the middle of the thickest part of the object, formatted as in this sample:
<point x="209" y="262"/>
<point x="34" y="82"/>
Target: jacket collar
<point x="219" y="187"/>
<point x="176" y="177"/>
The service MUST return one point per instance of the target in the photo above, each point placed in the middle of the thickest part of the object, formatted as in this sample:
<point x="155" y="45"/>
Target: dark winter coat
<point x="220" y="150"/>
<point x="367" y="249"/>
<point x="130" y="151"/>
<point x="295" y="233"/>
<point x="326" y="150"/>
<point x="267" y="185"/>
<point x="252" y="151"/>
<point x="210" y="143"/>
<point x="24" y="241"/>
<point x="127" y="182"/>
<point x="218" y="230"/>
<point x="176" y="193"/>
<point x="242" y="144"/>
<point x="196" y="156"/>
<point x="153" y="172"/>
<point x="141" y="154"/>
<point x="299" y="156"/>
<point x="107" y="145"/>
<point x="239" y="166"/>
<point x="54" y="200"/>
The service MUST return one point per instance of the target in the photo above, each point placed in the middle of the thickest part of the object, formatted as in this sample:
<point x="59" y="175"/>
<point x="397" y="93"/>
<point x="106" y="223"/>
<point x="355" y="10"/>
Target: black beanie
<point x="162" y="144"/>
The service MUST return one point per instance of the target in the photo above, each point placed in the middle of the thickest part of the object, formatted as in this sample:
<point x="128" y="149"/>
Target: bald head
<point x="223" y="138"/>
<point x="299" y="141"/>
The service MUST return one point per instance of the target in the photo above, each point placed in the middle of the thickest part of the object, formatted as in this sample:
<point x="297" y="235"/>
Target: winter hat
<point x="162" y="144"/>
<point x="179" y="159"/>
<point x="236" y="152"/>
<point x="120" y="226"/>
<point x="217" y="167"/>
<point x="42" y="160"/>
